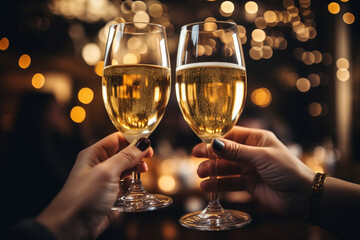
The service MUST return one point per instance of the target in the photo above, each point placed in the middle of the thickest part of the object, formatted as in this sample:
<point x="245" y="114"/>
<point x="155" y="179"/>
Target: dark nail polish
<point x="143" y="144"/>
<point x="218" y="145"/>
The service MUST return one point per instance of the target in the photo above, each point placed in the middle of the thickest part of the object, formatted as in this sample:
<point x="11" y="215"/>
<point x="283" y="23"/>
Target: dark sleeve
<point x="29" y="229"/>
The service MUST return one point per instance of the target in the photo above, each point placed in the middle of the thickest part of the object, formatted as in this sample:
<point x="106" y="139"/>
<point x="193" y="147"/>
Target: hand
<point x="82" y="207"/>
<point x="263" y="166"/>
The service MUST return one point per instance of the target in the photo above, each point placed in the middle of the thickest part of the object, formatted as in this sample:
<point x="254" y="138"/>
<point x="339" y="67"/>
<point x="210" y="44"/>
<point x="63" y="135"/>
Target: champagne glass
<point x="211" y="90"/>
<point x="136" y="89"/>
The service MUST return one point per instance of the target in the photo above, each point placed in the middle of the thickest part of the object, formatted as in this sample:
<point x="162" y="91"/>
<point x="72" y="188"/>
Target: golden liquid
<point x="211" y="97"/>
<point x="135" y="97"/>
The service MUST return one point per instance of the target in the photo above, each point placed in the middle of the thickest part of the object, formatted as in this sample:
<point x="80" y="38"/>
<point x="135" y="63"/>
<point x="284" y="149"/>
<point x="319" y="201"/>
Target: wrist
<point x="303" y="194"/>
<point x="62" y="222"/>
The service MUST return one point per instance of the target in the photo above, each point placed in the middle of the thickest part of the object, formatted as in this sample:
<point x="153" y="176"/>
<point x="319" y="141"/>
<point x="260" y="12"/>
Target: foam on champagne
<point x="210" y="64"/>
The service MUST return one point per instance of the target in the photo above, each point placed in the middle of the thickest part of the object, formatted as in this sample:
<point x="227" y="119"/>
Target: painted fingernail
<point x="218" y="145"/>
<point x="143" y="144"/>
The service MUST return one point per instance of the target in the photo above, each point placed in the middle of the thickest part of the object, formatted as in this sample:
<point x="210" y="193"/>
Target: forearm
<point x="339" y="210"/>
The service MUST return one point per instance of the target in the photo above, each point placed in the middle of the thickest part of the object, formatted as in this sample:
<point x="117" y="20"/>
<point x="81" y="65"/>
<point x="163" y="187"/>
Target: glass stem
<point x="214" y="204"/>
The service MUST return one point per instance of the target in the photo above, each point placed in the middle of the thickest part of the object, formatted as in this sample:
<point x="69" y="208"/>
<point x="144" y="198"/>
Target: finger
<point x="104" y="148"/>
<point x="141" y="167"/>
<point x="129" y="157"/>
<point x="250" y="136"/>
<point x="224" y="168"/>
<point x="236" y="152"/>
<point x="224" y="184"/>
<point x="200" y="150"/>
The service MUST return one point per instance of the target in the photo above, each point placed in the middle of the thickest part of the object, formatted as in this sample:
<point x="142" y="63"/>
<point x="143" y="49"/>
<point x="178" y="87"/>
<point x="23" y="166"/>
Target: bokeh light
<point x="77" y="114"/>
<point x="138" y="6"/>
<point x="315" y="109"/>
<point x="130" y="58"/>
<point x="85" y="95"/>
<point x="141" y="16"/>
<point x="4" y="43"/>
<point x="258" y="35"/>
<point x="334" y="8"/>
<point x="349" y="18"/>
<point x="227" y="8"/>
<point x="251" y="7"/>
<point x="303" y="84"/>
<point x="256" y="53"/>
<point x="91" y="53"/>
<point x="260" y="22"/>
<point x="343" y="74"/>
<point x="261" y="97"/>
<point x="155" y="10"/>
<point x="342" y="63"/>
<point x="270" y="16"/>
<point x="24" y="61"/>
<point x="38" y="80"/>
<point x="99" y="67"/>
<point x="167" y="183"/>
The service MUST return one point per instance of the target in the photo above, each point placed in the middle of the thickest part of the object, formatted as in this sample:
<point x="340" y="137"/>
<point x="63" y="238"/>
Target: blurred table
<point x="163" y="224"/>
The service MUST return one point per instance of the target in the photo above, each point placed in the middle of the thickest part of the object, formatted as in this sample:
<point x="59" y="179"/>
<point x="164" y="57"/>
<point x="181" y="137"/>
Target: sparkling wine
<point x="135" y="97"/>
<point x="211" y="96"/>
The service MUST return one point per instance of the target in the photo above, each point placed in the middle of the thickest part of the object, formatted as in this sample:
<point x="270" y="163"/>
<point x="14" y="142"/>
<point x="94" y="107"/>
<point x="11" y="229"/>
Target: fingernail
<point x="143" y="144"/>
<point x="218" y="145"/>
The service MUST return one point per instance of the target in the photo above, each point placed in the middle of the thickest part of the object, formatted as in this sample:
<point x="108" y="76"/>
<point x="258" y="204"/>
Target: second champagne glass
<point x="211" y="90"/>
<point x="136" y="90"/>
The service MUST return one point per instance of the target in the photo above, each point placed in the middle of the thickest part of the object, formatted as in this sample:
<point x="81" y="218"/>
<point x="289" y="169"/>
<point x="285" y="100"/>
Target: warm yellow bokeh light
<point x="349" y="18"/>
<point x="210" y="25"/>
<point x="260" y="22"/>
<point x="91" y="53"/>
<point x="138" y="6"/>
<point x="251" y="7"/>
<point x="141" y="16"/>
<point x="77" y="114"/>
<point x="167" y="183"/>
<point x="258" y="35"/>
<point x="99" y="67"/>
<point x="130" y="58"/>
<point x="267" y="52"/>
<point x="303" y="84"/>
<point x="155" y="10"/>
<point x="4" y="43"/>
<point x="342" y="63"/>
<point x="227" y="7"/>
<point x="270" y="16"/>
<point x="86" y="95"/>
<point x="343" y="74"/>
<point x="38" y="80"/>
<point x="256" y="53"/>
<point x="334" y="8"/>
<point x="134" y="43"/>
<point x="261" y="97"/>
<point x="24" y="61"/>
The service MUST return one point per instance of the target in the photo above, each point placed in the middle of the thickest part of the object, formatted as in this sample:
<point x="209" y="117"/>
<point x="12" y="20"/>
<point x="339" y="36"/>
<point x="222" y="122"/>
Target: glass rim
<point x="232" y="24"/>
<point x="133" y="23"/>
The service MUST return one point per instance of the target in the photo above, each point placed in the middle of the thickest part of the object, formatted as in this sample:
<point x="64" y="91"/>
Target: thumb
<point x="233" y="151"/>
<point x="129" y="157"/>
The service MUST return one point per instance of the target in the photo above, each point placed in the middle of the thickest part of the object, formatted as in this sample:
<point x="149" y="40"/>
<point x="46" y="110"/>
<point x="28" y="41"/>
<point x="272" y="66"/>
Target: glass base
<point x="215" y="221"/>
<point x="141" y="202"/>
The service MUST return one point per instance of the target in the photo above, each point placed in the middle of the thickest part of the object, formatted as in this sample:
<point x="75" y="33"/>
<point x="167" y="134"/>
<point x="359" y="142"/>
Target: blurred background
<point x="303" y="67"/>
